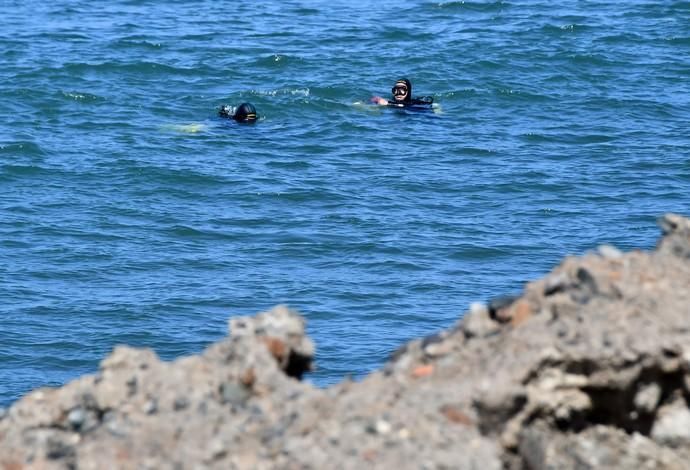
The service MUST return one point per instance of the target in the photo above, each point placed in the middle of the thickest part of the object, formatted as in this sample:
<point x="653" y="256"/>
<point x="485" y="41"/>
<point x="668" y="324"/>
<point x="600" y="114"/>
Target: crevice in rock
<point x="297" y="365"/>
<point x="618" y="407"/>
<point x="631" y="405"/>
<point x="615" y="407"/>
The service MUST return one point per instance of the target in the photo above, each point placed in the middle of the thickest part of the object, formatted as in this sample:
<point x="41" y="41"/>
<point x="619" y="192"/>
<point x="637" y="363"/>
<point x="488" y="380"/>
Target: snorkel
<point x="226" y="111"/>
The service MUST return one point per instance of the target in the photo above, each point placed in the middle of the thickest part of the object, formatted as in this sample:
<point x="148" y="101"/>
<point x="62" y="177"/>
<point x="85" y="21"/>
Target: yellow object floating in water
<point x="186" y="128"/>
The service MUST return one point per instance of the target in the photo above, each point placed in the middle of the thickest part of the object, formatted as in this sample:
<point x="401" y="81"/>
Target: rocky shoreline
<point x="588" y="368"/>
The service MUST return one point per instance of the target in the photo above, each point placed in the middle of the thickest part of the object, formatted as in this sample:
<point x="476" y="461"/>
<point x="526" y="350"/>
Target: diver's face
<point x="400" y="92"/>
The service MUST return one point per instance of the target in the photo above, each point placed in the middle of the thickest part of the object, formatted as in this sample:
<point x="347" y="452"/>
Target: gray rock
<point x="647" y="398"/>
<point x="610" y="252"/>
<point x="477" y="323"/>
<point x="599" y="447"/>
<point x="76" y="418"/>
<point x="676" y="241"/>
<point x="150" y="407"/>
<point x="558" y="282"/>
<point x="588" y="368"/>
<point x="672" y="426"/>
<point x="234" y="393"/>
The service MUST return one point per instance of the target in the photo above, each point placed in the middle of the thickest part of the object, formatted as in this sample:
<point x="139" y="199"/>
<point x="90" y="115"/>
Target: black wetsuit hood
<point x="246" y="112"/>
<point x="408" y="84"/>
<point x="409" y="101"/>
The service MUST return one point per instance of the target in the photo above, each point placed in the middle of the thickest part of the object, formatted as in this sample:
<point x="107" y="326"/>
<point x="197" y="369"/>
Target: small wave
<point x="175" y="179"/>
<point x="595" y="59"/>
<point x="489" y="64"/>
<point x="292" y="164"/>
<point x="523" y="95"/>
<point x="622" y="38"/>
<point x="552" y="29"/>
<point x="682" y="5"/>
<point x="281" y="91"/>
<point x="199" y="37"/>
<point x="477" y="151"/>
<point x="16" y="244"/>
<point x="303" y="11"/>
<point x="415" y="36"/>
<point x="568" y="138"/>
<point x="456" y="93"/>
<point x="679" y="41"/>
<point x="479" y="252"/>
<point x="21" y="148"/>
<point x="274" y="61"/>
<point x="474" y="6"/>
<point x="322" y="195"/>
<point x="66" y="36"/>
<point x="185" y="231"/>
<point x="81" y="96"/>
<point x="137" y="43"/>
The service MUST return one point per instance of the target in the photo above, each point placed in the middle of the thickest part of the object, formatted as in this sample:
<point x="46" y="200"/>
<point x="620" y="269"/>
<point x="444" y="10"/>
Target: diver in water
<point x="246" y="113"/>
<point x="402" y="97"/>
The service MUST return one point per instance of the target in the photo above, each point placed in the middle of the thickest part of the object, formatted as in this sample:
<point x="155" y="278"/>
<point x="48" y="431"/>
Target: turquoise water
<point x="130" y="214"/>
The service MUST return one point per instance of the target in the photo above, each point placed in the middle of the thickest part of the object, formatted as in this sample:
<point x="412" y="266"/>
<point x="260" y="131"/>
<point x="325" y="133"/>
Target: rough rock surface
<point x="588" y="368"/>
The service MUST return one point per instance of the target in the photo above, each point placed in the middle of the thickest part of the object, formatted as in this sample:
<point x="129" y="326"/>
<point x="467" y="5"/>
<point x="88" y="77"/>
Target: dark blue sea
<point x="131" y="214"/>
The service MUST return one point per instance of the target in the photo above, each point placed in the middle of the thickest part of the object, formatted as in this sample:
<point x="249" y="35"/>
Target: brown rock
<point x="520" y="312"/>
<point x="423" y="371"/>
<point x="455" y="415"/>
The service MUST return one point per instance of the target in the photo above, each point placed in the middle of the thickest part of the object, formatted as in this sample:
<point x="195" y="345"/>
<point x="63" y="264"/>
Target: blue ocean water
<point x="130" y="213"/>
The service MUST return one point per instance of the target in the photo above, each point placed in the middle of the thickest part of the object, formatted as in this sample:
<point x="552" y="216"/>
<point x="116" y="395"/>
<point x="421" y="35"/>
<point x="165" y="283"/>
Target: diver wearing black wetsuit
<point x="246" y="112"/>
<point x="402" y="97"/>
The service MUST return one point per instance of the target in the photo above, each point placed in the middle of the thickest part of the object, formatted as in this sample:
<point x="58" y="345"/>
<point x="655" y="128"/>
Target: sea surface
<point x="131" y="214"/>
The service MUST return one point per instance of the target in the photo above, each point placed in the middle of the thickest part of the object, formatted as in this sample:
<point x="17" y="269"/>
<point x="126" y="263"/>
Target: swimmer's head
<point x="402" y="90"/>
<point x="246" y="112"/>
